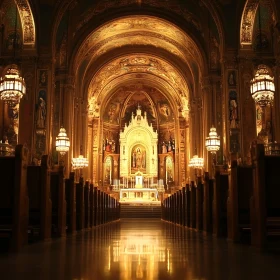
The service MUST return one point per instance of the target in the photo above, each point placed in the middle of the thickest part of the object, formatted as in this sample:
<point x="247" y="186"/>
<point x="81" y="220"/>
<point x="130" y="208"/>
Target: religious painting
<point x="165" y="112"/>
<point x="11" y="43"/>
<point x="233" y="110"/>
<point x="169" y="169"/>
<point x="258" y="118"/>
<point x="108" y="170"/>
<point x="112" y="113"/>
<point x="138" y="159"/>
<point x="232" y="78"/>
<point x="41" y="110"/>
<point x="43" y="78"/>
<point x="40" y="120"/>
<point x="234" y="143"/>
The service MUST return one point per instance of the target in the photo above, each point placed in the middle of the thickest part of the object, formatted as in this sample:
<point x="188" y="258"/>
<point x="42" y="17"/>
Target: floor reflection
<point x="139" y="249"/>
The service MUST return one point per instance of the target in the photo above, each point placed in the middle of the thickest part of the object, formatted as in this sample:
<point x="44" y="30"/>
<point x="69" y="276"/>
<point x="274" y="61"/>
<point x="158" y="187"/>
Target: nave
<point x="139" y="249"/>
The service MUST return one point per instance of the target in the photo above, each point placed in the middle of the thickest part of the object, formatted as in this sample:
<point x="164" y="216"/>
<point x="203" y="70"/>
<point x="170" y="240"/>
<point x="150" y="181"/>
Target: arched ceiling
<point x="160" y="55"/>
<point x="17" y="13"/>
<point x="27" y="22"/>
<point x="135" y="30"/>
<point x="249" y="18"/>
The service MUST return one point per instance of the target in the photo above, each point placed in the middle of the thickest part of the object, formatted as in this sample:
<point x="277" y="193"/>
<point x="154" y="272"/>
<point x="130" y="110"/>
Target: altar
<point x="139" y="195"/>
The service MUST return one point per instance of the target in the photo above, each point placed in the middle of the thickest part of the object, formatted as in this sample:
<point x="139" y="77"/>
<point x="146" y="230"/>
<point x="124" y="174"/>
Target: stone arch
<point x="248" y="19"/>
<point x="27" y="23"/>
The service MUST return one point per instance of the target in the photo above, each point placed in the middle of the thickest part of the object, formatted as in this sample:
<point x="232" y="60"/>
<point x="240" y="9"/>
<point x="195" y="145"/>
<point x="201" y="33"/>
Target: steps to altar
<point x="140" y="210"/>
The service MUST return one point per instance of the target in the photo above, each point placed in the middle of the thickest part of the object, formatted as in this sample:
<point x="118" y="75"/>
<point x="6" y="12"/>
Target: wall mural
<point x="11" y="133"/>
<point x="108" y="170"/>
<point x="166" y="114"/>
<point x="233" y="105"/>
<point x="233" y="109"/>
<point x="112" y="113"/>
<point x="138" y="159"/>
<point x="169" y="169"/>
<point x="232" y="79"/>
<point x="40" y="117"/>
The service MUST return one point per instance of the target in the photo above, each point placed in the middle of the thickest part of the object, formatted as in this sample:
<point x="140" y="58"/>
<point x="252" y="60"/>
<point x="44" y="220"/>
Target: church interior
<point x="158" y="115"/>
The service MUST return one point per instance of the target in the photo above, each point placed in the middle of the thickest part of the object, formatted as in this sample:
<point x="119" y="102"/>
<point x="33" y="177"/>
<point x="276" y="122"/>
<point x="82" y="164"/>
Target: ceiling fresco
<point x="124" y="102"/>
<point x="18" y="12"/>
<point x="150" y="67"/>
<point x="150" y="27"/>
<point x="102" y="6"/>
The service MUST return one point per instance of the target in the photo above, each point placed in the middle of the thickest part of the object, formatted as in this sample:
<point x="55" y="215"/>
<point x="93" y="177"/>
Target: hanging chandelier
<point x="196" y="162"/>
<point x="262" y="86"/>
<point x="212" y="142"/>
<point x="79" y="162"/>
<point x="12" y="86"/>
<point x="62" y="142"/>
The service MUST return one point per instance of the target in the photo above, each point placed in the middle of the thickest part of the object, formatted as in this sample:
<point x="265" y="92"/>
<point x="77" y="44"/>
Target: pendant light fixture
<point x="12" y="85"/>
<point x="79" y="162"/>
<point x="262" y="86"/>
<point x="62" y="143"/>
<point x="212" y="142"/>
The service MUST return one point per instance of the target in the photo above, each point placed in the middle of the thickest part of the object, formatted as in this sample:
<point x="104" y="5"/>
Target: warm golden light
<point x="196" y="162"/>
<point x="79" y="162"/>
<point x="12" y="86"/>
<point x="62" y="143"/>
<point x="262" y="87"/>
<point x="212" y="142"/>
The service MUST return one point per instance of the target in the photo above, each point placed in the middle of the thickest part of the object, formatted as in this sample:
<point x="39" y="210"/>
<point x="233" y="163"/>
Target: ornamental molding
<point x="247" y="22"/>
<point x="184" y="52"/>
<point x="27" y="21"/>
<point x="137" y="64"/>
<point x="136" y="67"/>
<point x="130" y="30"/>
<point x="103" y="6"/>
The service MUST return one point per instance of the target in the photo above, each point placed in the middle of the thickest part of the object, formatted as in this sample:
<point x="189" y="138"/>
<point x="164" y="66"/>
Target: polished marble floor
<point x="140" y="249"/>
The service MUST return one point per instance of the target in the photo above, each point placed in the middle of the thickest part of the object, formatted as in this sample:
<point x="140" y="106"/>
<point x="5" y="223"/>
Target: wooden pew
<point x="188" y="206"/>
<point x="70" y="194"/>
<point x="40" y="204"/>
<point x="58" y="202"/>
<point x="183" y="218"/>
<point x="220" y="196"/>
<point x="14" y="202"/>
<point x="193" y="206"/>
<point x="80" y="208"/>
<point x="207" y="203"/>
<point x="95" y="206"/>
<point x="199" y="204"/>
<point x="86" y="205"/>
<point x="240" y="191"/>
<point x="91" y="208"/>
<point x="265" y="201"/>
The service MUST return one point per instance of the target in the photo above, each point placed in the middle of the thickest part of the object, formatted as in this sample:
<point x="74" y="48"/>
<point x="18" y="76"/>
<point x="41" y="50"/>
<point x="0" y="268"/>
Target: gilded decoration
<point x="102" y="6"/>
<point x="157" y="32"/>
<point x="126" y="100"/>
<point x="140" y="38"/>
<point x="136" y="64"/>
<point x="138" y="146"/>
<point x="247" y="22"/>
<point x="27" y="21"/>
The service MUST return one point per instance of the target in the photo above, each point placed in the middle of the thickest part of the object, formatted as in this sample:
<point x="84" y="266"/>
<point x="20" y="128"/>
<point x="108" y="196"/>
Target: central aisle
<point x="147" y="249"/>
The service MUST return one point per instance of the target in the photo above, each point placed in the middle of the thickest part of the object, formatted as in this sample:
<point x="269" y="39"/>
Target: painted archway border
<point x="248" y="19"/>
<point x="27" y="21"/>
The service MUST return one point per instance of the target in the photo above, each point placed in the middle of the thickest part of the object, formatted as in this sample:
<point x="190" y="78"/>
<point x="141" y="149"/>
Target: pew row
<point x="14" y="201"/>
